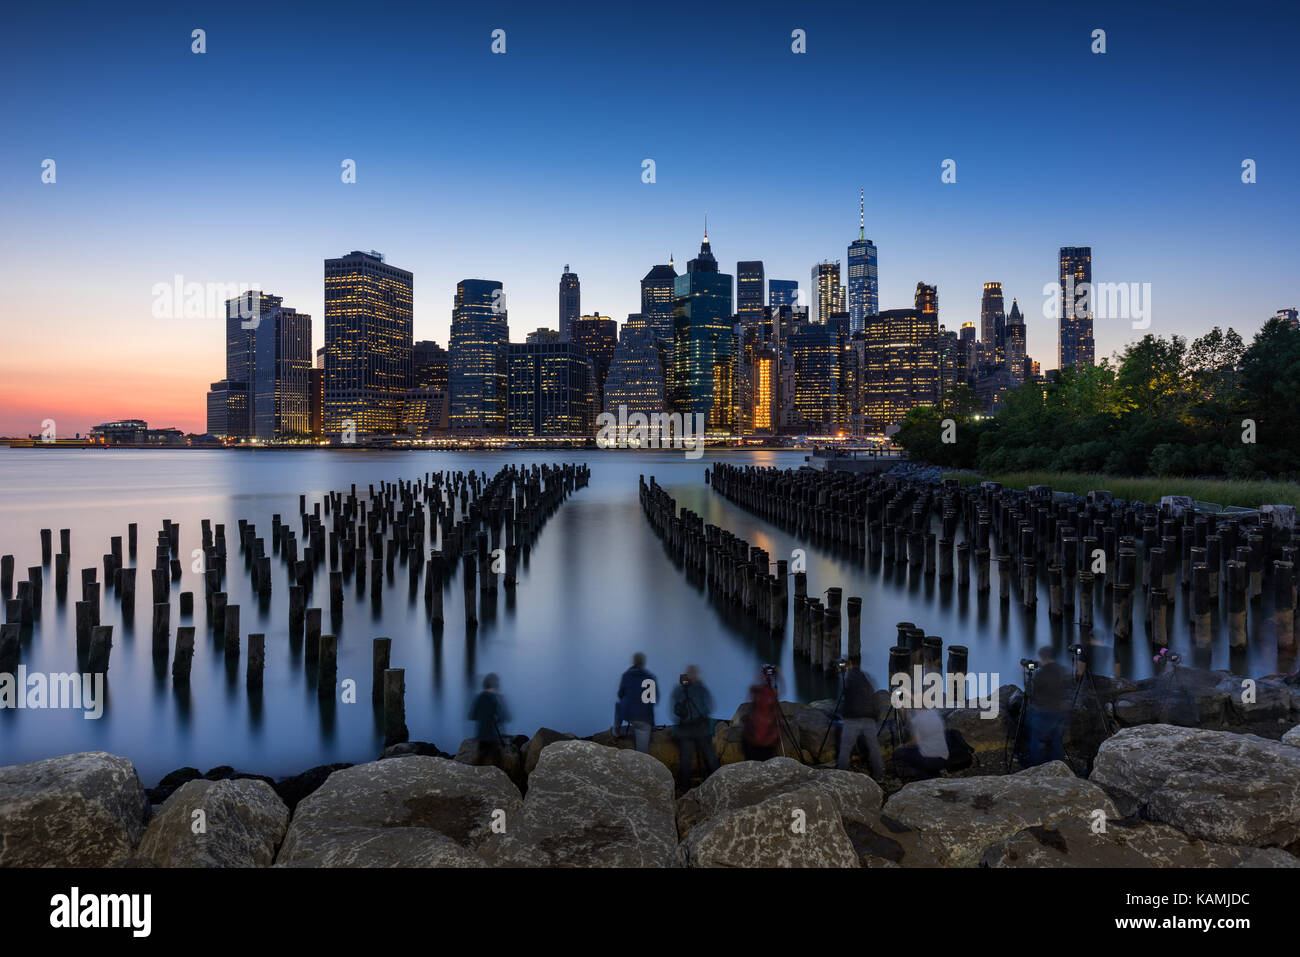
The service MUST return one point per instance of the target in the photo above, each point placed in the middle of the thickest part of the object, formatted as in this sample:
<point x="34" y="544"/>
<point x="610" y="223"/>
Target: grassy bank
<point x="1220" y="491"/>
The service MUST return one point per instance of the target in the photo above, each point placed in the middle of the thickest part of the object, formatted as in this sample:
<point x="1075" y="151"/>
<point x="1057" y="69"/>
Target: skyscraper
<point x="549" y="388"/>
<point x="749" y="291"/>
<point x="782" y="292"/>
<point x="367" y="343"/>
<point x="428" y="366"/>
<point x="657" y="296"/>
<point x="1016" y="347"/>
<point x="864" y="282"/>
<point x="636" y="374"/>
<point x="816" y="352"/>
<point x="993" y="325"/>
<point x="900" y="366"/>
<point x="281" y="396"/>
<point x="927" y="300"/>
<point x="477" y="367"/>
<point x="243" y="315"/>
<point x="597" y="336"/>
<point x="570" y="301"/>
<point x="702" y="342"/>
<point x="827" y="293"/>
<point x="1075" y="346"/>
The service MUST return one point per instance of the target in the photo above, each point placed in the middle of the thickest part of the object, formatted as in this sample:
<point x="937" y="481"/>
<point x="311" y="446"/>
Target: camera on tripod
<point x="842" y="665"/>
<point x="1029" y="664"/>
<point x="684" y="678"/>
<point x="1078" y="650"/>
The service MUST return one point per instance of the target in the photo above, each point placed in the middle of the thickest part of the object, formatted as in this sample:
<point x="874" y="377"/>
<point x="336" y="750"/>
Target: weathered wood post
<point x="381" y="649"/>
<point x="1123" y="611"/>
<point x="1200" y="602"/>
<point x="101" y="643"/>
<point x="313" y="630"/>
<point x="1284" y="603"/>
<point x="855" y="626"/>
<point x="184" y="654"/>
<point x="1237" y="581"/>
<point x="394" y="696"/>
<point x="256" y="661"/>
<point x="232" y="633"/>
<point x="162" y="613"/>
<point x="327" y="666"/>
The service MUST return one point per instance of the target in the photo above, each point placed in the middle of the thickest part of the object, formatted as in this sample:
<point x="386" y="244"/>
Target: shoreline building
<point x="702" y="366"/>
<point x="782" y="292"/>
<point x="635" y="379"/>
<point x="900" y="367"/>
<point x="243" y="315"/>
<point x="477" y="367"/>
<point x="1075" y="344"/>
<point x="570" y="302"/>
<point x="368" y="339"/>
<point x="549" y="390"/>
<point x="597" y="337"/>
<point x="281" y="397"/>
<point x="864" y="278"/>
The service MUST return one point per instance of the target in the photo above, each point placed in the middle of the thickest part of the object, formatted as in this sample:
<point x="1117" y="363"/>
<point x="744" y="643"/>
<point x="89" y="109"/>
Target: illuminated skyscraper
<point x="702" y="342"/>
<point x="1075" y="346"/>
<point x="429" y="366"/>
<point x="816" y="352"/>
<point x="281" y="379"/>
<point x="636" y="374"/>
<point x="367" y="343"/>
<point x="782" y="292"/>
<point x="766" y="382"/>
<point x="927" y="300"/>
<point x="1016" y="369"/>
<point x="243" y="314"/>
<point x="657" y="296"/>
<point x="749" y="291"/>
<point x="549" y="390"/>
<point x="477" y="360"/>
<point x="570" y="302"/>
<point x="900" y="366"/>
<point x="864" y="282"/>
<point x="597" y="336"/>
<point x="993" y="331"/>
<point x="827" y="293"/>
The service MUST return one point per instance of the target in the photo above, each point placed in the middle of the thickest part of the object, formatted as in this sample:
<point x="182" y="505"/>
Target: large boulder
<point x="963" y="816"/>
<point x="510" y="759"/>
<point x="1124" y="843"/>
<point x="747" y="783"/>
<point x="541" y="739"/>
<point x="795" y="828"/>
<point x="297" y="786"/>
<point x="1292" y="737"/>
<point x="78" y="810"/>
<point x="415" y="811"/>
<point x="1214" y="785"/>
<point x="1199" y="698"/>
<point x="594" y="806"/>
<point x="242" y="824"/>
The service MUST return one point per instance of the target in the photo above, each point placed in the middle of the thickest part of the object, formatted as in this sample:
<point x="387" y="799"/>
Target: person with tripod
<point x="638" y="692"/>
<point x="488" y="712"/>
<point x="692" y="705"/>
<point x="859" y="719"/>
<point x="1049" y="708"/>
<point x="762" y="725"/>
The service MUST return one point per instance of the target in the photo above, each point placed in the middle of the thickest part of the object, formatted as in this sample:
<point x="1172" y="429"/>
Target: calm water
<point x="597" y="587"/>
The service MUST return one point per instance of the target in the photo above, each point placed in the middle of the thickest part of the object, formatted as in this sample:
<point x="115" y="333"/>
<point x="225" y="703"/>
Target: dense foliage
<point x="1161" y="407"/>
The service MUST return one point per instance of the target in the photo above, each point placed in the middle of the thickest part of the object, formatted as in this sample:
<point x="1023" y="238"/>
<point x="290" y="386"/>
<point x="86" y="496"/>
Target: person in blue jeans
<point x="638" y="692"/>
<point x="692" y="704"/>
<point x="1049" y="707"/>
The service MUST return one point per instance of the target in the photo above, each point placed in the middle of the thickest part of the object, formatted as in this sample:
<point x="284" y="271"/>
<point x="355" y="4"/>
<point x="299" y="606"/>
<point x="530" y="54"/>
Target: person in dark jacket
<point x="859" y="719"/>
<point x="692" y="704"/>
<point x="761" y="727"/>
<point x="1049" y="707"/>
<point x="638" y="692"/>
<point x="488" y="712"/>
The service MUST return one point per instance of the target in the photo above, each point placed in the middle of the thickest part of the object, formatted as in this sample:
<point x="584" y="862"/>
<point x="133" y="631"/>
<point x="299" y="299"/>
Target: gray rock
<point x="78" y="810"/>
<point x="1124" y="843"/>
<point x="541" y="739"/>
<point x="1292" y="737"/>
<point x="797" y="828"/>
<point x="1214" y="785"/>
<point x="593" y="806"/>
<point x="243" y="824"/>
<point x="511" y="760"/>
<point x="414" y="811"/>
<point x="963" y="816"/>
<point x="856" y="796"/>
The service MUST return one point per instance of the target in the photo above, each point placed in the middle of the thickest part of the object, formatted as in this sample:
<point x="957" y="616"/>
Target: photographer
<point x="638" y="691"/>
<point x="859" y="719"/>
<point x="488" y="712"/>
<point x="692" y="704"/>
<point x="1049" y="708"/>
<point x="762" y="723"/>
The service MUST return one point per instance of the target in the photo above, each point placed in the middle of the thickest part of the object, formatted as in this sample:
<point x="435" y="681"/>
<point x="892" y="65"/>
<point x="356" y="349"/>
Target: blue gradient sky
<point x="225" y="167"/>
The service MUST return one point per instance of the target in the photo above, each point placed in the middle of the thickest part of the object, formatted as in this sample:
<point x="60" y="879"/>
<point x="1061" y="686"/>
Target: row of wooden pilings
<point x="469" y="515"/>
<point x="744" y="576"/>
<point x="1089" y="546"/>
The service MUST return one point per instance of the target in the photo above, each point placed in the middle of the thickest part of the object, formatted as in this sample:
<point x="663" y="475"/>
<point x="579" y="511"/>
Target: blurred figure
<point x="638" y="691"/>
<point x="762" y="726"/>
<point x="1048" y="709"/>
<point x="692" y="705"/>
<point x="859" y="719"/>
<point x="926" y="751"/>
<point x="488" y="712"/>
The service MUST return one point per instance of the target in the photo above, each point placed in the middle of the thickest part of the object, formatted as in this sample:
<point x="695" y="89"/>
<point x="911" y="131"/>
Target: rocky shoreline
<point x="1204" y="771"/>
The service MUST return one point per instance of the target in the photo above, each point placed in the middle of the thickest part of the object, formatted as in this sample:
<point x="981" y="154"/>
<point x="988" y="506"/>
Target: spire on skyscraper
<point x="862" y="214"/>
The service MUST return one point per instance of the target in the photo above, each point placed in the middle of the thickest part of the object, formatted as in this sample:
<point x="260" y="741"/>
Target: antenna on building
<point x="862" y="222"/>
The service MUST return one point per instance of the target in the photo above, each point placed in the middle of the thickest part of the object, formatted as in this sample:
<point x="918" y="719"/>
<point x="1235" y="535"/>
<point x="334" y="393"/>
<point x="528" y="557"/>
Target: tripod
<point x="835" y="713"/>
<point x="1083" y="674"/>
<point x="1014" y="739"/>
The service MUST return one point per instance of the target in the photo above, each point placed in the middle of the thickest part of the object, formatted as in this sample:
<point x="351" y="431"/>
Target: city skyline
<point x="157" y="186"/>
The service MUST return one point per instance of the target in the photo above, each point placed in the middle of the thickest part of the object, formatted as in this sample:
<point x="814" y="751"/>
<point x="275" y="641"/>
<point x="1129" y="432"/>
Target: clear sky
<point x="225" y="167"/>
